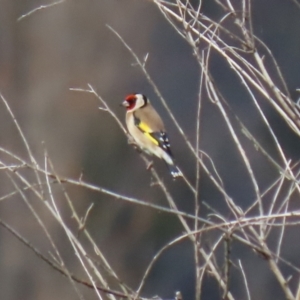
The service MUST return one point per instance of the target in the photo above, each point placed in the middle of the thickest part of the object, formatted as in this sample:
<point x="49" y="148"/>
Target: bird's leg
<point x="130" y="139"/>
<point x="150" y="165"/>
<point x="132" y="142"/>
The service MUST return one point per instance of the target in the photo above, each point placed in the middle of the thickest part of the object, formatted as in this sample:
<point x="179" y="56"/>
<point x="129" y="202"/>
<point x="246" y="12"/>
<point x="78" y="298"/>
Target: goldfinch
<point x="148" y="130"/>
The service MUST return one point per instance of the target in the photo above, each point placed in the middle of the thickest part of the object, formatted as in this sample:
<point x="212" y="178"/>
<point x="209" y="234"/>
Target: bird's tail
<point x="175" y="172"/>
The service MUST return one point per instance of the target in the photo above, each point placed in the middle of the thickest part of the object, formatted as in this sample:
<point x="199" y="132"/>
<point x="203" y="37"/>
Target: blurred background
<point x="69" y="46"/>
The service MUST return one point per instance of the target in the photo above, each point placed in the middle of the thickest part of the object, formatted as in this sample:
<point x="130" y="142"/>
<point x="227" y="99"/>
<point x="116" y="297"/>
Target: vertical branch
<point x="197" y="198"/>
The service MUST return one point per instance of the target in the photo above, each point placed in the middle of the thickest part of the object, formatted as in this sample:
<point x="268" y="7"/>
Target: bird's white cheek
<point x="139" y="102"/>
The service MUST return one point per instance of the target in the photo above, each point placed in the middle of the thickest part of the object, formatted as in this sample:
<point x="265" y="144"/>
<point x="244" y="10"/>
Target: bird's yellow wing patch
<point x="147" y="132"/>
<point x="150" y="137"/>
<point x="144" y="127"/>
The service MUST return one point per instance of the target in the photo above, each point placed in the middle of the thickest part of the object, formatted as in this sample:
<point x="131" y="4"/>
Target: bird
<point x="148" y="131"/>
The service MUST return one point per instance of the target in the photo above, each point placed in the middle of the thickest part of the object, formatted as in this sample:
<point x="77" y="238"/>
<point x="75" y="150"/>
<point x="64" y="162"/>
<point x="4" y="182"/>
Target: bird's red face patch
<point x="129" y="101"/>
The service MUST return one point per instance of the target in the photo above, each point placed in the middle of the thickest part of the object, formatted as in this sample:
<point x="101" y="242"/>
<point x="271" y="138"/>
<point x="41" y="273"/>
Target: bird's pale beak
<point x="125" y="103"/>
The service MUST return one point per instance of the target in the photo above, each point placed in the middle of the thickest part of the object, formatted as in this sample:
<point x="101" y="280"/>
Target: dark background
<point x="68" y="46"/>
